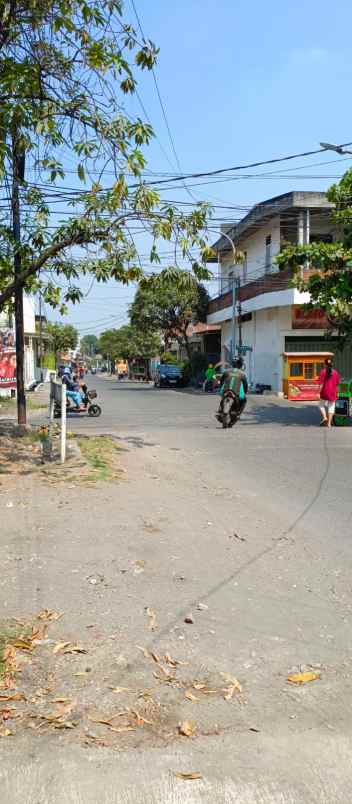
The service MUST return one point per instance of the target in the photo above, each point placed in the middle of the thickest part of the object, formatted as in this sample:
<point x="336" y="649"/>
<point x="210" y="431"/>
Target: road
<point x="250" y="532"/>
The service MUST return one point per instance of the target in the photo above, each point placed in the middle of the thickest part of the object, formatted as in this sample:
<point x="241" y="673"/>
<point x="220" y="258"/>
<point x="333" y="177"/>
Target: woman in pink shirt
<point x="329" y="380"/>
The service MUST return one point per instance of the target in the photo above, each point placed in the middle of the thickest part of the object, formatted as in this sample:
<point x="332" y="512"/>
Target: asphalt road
<point x="254" y="524"/>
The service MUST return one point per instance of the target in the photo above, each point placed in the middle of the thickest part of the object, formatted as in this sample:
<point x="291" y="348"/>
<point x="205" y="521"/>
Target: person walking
<point x="209" y="378"/>
<point x="329" y="380"/>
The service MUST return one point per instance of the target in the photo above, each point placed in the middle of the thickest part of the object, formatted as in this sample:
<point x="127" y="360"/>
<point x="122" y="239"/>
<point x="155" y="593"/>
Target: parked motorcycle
<point x="230" y="410"/>
<point x="87" y="406"/>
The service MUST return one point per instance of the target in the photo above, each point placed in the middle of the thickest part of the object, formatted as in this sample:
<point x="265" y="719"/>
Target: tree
<point x="89" y="345"/>
<point x="65" y="67"/>
<point x="127" y="343"/>
<point x="329" y="281"/>
<point x="169" y="308"/>
<point x="63" y="337"/>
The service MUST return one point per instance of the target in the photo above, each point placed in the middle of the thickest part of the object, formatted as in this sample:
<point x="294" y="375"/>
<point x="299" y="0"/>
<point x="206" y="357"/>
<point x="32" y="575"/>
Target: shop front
<point x="301" y="374"/>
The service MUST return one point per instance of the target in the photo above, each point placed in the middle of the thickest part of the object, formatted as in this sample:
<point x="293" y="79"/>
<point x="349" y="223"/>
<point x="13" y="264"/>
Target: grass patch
<point x="101" y="456"/>
<point x="9" y="404"/>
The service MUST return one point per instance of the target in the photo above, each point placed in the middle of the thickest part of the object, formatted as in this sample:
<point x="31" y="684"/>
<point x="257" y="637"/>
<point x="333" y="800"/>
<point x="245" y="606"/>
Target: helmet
<point x="67" y="370"/>
<point x="237" y="362"/>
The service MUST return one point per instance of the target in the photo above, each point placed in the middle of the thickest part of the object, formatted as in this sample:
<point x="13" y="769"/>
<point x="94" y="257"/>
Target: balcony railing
<point x="269" y="283"/>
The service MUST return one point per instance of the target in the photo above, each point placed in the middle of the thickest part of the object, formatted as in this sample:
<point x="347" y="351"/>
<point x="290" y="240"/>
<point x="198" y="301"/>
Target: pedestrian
<point x="329" y="380"/>
<point x="209" y="378"/>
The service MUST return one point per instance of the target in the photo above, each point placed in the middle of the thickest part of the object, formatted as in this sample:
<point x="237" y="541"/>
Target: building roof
<point x="262" y="212"/>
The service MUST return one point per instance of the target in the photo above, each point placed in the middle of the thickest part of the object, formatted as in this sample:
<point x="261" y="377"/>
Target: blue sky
<point x="240" y="82"/>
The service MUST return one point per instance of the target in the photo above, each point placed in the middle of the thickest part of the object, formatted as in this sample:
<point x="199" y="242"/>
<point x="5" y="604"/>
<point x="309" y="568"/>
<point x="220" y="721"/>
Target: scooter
<point x="230" y="410"/>
<point x="86" y="406"/>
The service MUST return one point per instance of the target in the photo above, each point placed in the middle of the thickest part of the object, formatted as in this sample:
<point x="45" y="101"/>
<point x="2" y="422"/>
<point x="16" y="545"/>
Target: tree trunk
<point x="186" y="344"/>
<point x="18" y="163"/>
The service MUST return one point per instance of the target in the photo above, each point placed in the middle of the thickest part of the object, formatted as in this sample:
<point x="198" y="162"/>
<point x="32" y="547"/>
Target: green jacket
<point x="235" y="380"/>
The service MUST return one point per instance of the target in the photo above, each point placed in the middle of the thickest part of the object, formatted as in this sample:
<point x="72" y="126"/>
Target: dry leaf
<point x="140" y="719"/>
<point x="152" y="619"/>
<point x="74" y="649"/>
<point x="234" y="686"/>
<point x="61" y="700"/>
<point x="117" y="690"/>
<point x="84" y="673"/>
<point x="15" y="696"/>
<point x="121" y="729"/>
<point x="198" y="685"/>
<point x="188" y="776"/>
<point x="174" y="662"/>
<point x="190" y="697"/>
<point x="23" y="644"/>
<point x="60" y="646"/>
<point x="303" y="678"/>
<point x="64" y="724"/>
<point x="49" y="614"/>
<point x="186" y="728"/>
<point x="6" y="733"/>
<point x="167" y="678"/>
<point x="144" y="651"/>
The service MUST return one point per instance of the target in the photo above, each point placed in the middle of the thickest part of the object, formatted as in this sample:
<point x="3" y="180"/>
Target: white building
<point x="256" y="301"/>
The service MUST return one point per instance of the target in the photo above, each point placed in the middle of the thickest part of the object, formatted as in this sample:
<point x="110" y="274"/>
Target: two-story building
<point x="257" y="305"/>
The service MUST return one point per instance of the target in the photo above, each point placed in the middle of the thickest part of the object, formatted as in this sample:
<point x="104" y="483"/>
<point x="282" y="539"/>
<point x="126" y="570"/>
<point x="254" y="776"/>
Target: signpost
<point x="58" y="394"/>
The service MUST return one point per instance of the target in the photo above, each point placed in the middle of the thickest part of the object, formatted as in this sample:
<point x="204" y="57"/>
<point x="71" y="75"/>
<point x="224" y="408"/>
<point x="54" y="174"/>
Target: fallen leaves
<point x="152" y="619"/>
<point x="23" y="644"/>
<point x="303" y="678"/>
<point x="15" y="696"/>
<point x="234" y="686"/>
<point x="67" y="647"/>
<point x="119" y="690"/>
<point x="50" y="615"/>
<point x="186" y="728"/>
<point x="190" y="697"/>
<point x="188" y="777"/>
<point x="6" y="733"/>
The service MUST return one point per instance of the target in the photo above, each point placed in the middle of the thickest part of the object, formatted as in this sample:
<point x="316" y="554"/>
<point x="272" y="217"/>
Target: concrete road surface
<point x="249" y="531"/>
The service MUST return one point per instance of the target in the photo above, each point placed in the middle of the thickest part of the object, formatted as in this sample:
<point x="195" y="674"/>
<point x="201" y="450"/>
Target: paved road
<point x="255" y="524"/>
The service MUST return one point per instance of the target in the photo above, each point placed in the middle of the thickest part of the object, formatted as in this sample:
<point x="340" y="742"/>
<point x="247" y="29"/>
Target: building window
<point x="308" y="371"/>
<point x="296" y="370"/>
<point x="267" y="254"/>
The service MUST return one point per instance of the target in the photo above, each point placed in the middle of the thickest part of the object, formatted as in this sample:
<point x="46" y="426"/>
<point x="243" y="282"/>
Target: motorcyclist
<point x="72" y="388"/>
<point x="235" y="380"/>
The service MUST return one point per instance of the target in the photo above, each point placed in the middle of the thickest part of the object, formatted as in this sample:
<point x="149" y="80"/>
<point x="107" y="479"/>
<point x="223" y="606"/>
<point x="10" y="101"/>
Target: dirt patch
<point x="89" y="460"/>
<point x="50" y="684"/>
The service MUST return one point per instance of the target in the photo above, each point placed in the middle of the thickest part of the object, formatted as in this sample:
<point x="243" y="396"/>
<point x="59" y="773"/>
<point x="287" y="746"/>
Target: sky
<point x="239" y="82"/>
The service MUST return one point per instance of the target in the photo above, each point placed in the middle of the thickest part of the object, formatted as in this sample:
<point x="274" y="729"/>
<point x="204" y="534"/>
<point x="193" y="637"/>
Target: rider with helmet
<point x="72" y="388"/>
<point x="235" y="380"/>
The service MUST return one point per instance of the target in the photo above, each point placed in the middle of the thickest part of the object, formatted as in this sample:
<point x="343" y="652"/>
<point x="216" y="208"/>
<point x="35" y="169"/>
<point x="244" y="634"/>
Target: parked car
<point x="168" y="376"/>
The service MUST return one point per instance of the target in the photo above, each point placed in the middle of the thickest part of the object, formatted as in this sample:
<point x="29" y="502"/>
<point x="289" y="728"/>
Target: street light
<point x="328" y="146"/>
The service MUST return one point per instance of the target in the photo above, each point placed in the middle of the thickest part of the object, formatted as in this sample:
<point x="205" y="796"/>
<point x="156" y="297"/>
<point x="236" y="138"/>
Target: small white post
<point x="63" y="423"/>
<point x="51" y="401"/>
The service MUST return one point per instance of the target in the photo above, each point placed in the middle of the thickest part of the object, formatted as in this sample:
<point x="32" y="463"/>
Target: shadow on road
<point x="282" y="415"/>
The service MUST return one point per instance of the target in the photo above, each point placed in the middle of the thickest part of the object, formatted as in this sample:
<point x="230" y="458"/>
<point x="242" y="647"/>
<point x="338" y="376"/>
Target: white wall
<point x="29" y="314"/>
<point x="254" y="245"/>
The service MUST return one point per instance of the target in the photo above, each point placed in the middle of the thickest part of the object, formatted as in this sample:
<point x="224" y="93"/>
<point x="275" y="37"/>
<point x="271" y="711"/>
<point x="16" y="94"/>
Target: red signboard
<point x="303" y="390"/>
<point x="303" y="318"/>
<point x="7" y="369"/>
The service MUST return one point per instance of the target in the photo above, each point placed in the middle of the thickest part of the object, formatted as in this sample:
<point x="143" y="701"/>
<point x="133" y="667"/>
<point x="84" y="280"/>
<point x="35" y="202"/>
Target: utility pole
<point x="235" y="304"/>
<point x="40" y="338"/>
<point x="239" y="308"/>
<point x="18" y="166"/>
<point x="234" y="296"/>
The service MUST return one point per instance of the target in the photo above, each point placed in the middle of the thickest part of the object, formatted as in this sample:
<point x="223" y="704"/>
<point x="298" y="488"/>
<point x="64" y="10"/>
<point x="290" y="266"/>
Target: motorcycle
<point x="92" y="409"/>
<point x="230" y="410"/>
